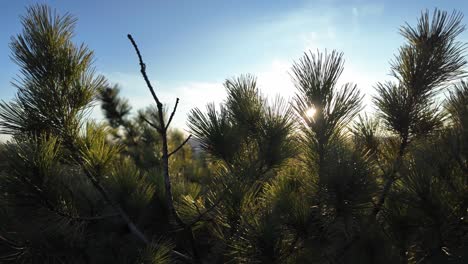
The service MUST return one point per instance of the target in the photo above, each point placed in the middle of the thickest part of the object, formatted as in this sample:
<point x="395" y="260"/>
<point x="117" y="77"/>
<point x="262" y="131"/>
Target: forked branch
<point x="162" y="129"/>
<point x="172" y="114"/>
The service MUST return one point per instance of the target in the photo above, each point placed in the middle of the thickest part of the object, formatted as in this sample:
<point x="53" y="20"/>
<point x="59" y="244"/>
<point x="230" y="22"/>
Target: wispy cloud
<point x="368" y="9"/>
<point x="289" y="35"/>
<point x="272" y="80"/>
<point x="299" y="30"/>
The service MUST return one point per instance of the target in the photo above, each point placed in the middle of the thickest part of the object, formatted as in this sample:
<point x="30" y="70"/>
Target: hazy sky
<point x="190" y="47"/>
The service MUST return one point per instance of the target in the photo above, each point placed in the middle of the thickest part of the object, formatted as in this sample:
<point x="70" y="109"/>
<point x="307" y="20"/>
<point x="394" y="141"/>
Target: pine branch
<point x="211" y="208"/>
<point x="180" y="146"/>
<point x="103" y="192"/>
<point x="49" y="206"/>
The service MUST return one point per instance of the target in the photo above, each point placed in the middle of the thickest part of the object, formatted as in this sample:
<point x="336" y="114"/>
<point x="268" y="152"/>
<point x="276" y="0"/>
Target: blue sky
<point x="190" y="47"/>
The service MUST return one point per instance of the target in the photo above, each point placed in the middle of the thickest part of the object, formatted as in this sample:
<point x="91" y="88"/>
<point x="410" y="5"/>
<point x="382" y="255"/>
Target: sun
<point x="311" y="112"/>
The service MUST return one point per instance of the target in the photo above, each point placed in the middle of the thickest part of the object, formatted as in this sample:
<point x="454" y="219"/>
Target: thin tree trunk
<point x="162" y="129"/>
<point x="168" y="187"/>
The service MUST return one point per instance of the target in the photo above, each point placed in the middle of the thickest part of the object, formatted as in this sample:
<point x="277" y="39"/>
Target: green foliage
<point x="115" y="108"/>
<point x="157" y="253"/>
<point x="246" y="123"/>
<point x="264" y="181"/>
<point x="56" y="84"/>
<point x="316" y="77"/>
<point x="430" y="58"/>
<point x="365" y="133"/>
<point x="33" y="190"/>
<point x="96" y="153"/>
<point x="130" y="186"/>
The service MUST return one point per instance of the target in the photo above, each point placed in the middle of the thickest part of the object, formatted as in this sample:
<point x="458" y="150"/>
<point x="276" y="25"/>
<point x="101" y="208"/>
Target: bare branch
<point x="180" y="146"/>
<point x="172" y="114"/>
<point x="143" y="71"/>
<point x="165" y="155"/>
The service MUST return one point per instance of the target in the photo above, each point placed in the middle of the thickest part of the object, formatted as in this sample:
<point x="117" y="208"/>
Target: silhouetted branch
<point x="143" y="70"/>
<point x="180" y="146"/>
<point x="165" y="151"/>
<point x="172" y="114"/>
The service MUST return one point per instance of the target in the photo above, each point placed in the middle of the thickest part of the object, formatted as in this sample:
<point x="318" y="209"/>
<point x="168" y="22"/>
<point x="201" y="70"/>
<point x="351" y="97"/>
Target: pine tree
<point x="57" y="175"/>
<point x="306" y="181"/>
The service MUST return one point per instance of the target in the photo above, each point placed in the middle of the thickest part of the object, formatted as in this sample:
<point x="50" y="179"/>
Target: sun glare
<point x="311" y="112"/>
